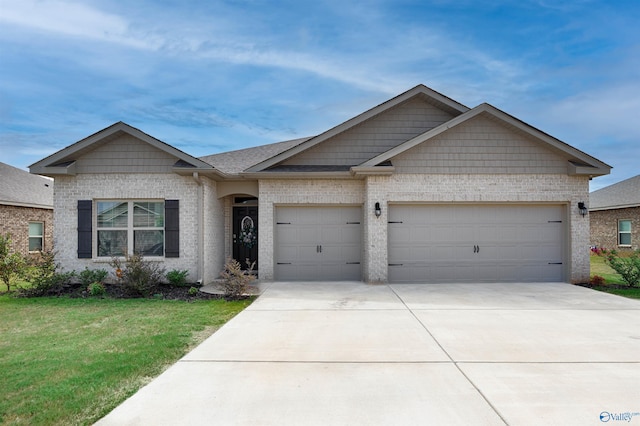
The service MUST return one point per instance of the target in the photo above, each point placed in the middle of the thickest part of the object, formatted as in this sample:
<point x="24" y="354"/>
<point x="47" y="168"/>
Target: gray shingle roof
<point x="234" y="162"/>
<point x="21" y="188"/>
<point x="619" y="195"/>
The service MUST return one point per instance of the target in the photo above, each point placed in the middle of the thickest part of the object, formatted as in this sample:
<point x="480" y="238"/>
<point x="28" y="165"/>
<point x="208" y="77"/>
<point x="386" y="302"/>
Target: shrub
<point x="139" y="277"/>
<point x="627" y="267"/>
<point x="193" y="291"/>
<point x="45" y="278"/>
<point x="177" y="278"/>
<point x="597" y="280"/>
<point x="96" y="289"/>
<point x="90" y="276"/>
<point x="11" y="264"/>
<point x="235" y="281"/>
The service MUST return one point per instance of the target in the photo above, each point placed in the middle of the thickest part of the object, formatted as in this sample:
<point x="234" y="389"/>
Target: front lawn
<point x="613" y="282"/>
<point x="71" y="361"/>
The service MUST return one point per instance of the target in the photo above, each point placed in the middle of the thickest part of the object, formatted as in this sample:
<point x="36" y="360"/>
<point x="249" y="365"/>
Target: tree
<point x="11" y="264"/>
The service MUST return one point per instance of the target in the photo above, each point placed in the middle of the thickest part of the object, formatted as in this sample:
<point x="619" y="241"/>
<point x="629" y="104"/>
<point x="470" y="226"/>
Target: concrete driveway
<point x="450" y="354"/>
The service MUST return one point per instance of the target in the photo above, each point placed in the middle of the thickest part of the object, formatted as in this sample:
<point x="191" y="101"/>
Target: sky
<point x="213" y="76"/>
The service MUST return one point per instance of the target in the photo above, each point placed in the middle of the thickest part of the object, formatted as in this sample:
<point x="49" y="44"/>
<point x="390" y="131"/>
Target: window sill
<point x="122" y="258"/>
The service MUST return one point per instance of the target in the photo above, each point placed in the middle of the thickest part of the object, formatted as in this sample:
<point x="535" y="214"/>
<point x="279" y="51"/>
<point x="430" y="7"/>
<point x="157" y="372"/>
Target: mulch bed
<point x="118" y="291"/>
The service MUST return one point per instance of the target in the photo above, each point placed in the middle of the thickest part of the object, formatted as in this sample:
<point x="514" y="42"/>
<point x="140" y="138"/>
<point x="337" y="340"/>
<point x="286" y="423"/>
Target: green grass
<point x="71" y="361"/>
<point x="599" y="267"/>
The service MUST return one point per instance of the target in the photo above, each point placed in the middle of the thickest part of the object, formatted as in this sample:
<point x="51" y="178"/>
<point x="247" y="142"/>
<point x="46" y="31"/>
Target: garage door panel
<point x="318" y="243"/>
<point x="446" y="243"/>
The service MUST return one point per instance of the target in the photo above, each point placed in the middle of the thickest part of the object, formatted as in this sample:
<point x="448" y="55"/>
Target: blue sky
<point x="212" y="76"/>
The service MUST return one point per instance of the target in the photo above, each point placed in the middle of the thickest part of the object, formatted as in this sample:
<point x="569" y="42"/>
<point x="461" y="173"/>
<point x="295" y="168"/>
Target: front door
<point x="245" y="236"/>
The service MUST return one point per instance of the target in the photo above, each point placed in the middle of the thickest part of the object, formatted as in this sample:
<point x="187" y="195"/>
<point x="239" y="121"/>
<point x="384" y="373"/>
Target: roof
<point x="421" y="90"/>
<point x="63" y="161"/>
<point x="233" y="162"/>
<point x="20" y="188"/>
<point x="620" y="195"/>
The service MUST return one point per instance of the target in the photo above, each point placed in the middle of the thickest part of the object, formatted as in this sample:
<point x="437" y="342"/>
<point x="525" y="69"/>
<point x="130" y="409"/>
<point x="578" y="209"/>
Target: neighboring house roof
<point x="620" y="195"/>
<point x="234" y="162"/>
<point x="63" y="161"/>
<point x="20" y="188"/>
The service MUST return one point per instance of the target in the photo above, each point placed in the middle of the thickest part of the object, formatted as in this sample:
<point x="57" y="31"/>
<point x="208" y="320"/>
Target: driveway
<point x="448" y="354"/>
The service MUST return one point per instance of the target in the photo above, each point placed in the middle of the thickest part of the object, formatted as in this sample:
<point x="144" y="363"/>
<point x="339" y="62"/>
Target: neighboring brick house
<point x="26" y="209"/>
<point x="417" y="189"/>
<point x="615" y="216"/>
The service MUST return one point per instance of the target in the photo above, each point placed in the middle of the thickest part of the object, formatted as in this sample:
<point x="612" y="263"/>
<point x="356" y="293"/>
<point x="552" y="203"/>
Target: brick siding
<point x="604" y="228"/>
<point x="15" y="221"/>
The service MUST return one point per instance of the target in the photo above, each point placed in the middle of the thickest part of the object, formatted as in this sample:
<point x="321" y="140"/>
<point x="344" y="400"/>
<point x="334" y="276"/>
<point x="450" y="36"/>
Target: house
<point x="615" y="216"/>
<point x="417" y="189"/>
<point x="26" y="210"/>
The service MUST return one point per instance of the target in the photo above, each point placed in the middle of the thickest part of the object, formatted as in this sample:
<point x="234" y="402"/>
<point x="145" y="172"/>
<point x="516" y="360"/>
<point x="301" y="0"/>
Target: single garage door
<point x="476" y="243"/>
<point x="318" y="243"/>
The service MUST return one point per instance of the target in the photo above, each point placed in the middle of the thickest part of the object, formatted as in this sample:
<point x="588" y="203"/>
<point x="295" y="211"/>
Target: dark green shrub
<point x="139" y="277"/>
<point x="89" y="276"/>
<point x="96" y="289"/>
<point x="235" y="281"/>
<point x="177" y="277"/>
<point x="627" y="267"/>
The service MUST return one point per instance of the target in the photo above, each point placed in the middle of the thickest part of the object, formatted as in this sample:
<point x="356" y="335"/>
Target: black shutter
<point x="84" y="229"/>
<point x="172" y="228"/>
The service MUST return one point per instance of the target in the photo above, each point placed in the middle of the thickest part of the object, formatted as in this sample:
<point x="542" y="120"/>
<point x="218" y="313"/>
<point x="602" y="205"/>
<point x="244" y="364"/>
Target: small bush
<point x="45" y="278"/>
<point x="177" y="278"/>
<point x="235" y="281"/>
<point x="90" y="276"/>
<point x="193" y="291"/>
<point x="627" y="267"/>
<point x="139" y="277"/>
<point x="597" y="280"/>
<point x="96" y="289"/>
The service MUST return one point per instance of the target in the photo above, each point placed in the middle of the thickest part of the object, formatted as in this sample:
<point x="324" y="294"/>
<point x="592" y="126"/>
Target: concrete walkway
<point x="452" y="354"/>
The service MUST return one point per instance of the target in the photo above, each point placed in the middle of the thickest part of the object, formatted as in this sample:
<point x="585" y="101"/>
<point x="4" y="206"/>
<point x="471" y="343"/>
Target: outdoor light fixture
<point x="378" y="210"/>
<point x="582" y="208"/>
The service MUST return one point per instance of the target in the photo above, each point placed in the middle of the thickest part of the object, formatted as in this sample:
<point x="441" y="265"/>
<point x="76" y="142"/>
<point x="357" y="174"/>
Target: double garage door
<point x="318" y="243"/>
<point x="426" y="243"/>
<point x="476" y="243"/>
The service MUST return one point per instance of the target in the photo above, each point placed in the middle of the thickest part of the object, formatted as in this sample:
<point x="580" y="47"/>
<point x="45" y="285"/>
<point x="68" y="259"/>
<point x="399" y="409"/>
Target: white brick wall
<point x="463" y="188"/>
<point x="425" y="188"/>
<point x="295" y="192"/>
<point x="70" y="189"/>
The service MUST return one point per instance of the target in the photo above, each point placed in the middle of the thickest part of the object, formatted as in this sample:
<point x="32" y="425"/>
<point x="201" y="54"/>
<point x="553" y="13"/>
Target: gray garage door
<point x="483" y="243"/>
<point x="318" y="243"/>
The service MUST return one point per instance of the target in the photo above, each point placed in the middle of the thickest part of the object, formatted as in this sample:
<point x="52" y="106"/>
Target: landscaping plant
<point x="139" y="277"/>
<point x="45" y="278"/>
<point x="11" y="264"/>
<point x="177" y="277"/>
<point x="627" y="267"/>
<point x="235" y="281"/>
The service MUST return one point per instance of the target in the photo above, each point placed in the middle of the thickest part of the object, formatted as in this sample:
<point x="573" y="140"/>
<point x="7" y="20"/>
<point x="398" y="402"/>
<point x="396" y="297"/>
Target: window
<point x="130" y="227"/>
<point x="36" y="236"/>
<point x="624" y="232"/>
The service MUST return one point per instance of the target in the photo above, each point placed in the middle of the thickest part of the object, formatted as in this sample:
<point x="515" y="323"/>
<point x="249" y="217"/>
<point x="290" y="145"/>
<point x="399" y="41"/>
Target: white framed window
<point x="127" y="227"/>
<point x="624" y="232"/>
<point x="36" y="236"/>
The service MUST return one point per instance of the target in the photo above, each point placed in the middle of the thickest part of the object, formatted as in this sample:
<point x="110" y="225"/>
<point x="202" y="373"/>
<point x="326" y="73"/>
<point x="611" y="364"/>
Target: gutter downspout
<point x="196" y="178"/>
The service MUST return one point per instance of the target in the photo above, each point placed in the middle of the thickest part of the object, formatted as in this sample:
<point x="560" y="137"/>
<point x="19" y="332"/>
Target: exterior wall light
<point x="378" y="210"/>
<point x="582" y="208"/>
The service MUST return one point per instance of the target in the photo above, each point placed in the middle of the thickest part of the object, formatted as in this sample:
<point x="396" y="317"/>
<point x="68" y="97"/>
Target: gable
<point x="374" y="136"/>
<point x="481" y="145"/>
<point x="125" y="154"/>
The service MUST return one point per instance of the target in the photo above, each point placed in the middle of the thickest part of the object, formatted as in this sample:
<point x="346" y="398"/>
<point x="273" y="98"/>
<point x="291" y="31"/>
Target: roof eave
<point x="52" y="171"/>
<point x="296" y="175"/>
